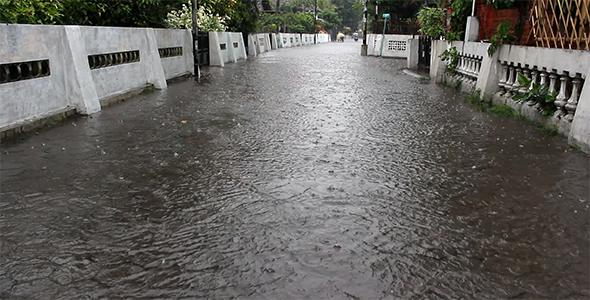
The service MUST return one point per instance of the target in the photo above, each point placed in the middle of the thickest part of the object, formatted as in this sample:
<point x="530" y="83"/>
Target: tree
<point x="432" y="21"/>
<point x="241" y="15"/>
<point x="291" y="7"/>
<point x="350" y="11"/>
<point x="31" y="11"/>
<point x="295" y="22"/>
<point x="330" y="19"/>
<point x="206" y="21"/>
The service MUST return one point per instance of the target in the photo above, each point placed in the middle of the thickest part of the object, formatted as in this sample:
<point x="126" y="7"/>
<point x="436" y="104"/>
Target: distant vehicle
<point x="355" y="36"/>
<point x="340" y="37"/>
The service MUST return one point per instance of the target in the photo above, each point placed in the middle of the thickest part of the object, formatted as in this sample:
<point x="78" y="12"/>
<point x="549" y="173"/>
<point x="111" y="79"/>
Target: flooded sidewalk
<point x="303" y="173"/>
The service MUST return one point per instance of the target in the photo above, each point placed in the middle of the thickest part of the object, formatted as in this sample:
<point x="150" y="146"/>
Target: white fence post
<point x="215" y="56"/>
<point x="580" y="132"/>
<point x="82" y="89"/>
<point x="157" y="76"/>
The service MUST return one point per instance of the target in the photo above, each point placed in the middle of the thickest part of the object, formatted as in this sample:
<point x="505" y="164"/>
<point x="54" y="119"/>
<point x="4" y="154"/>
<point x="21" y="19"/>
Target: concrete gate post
<point x="437" y="66"/>
<point x="580" y="132"/>
<point x="413" y="53"/>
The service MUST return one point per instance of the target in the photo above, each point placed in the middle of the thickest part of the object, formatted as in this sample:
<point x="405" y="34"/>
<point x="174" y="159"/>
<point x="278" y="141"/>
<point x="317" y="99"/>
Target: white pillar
<point x="215" y="57"/>
<point x="489" y="74"/>
<point x="472" y="30"/>
<point x="157" y="76"/>
<point x="437" y="66"/>
<point x="413" y="53"/>
<point x="82" y="92"/>
<point x="580" y="132"/>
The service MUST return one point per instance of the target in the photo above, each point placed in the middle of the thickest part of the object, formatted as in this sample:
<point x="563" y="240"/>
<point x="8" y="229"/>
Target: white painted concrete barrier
<point x="307" y="39"/>
<point x="262" y="42"/>
<point x="323" y="38"/>
<point x="225" y="47"/>
<point x="173" y="44"/>
<point x="265" y="42"/>
<point x="297" y="39"/>
<point x="284" y="40"/>
<point x="259" y="43"/>
<point x="273" y="41"/>
<point x="395" y="45"/>
<point x="46" y="70"/>
<point x="252" y="45"/>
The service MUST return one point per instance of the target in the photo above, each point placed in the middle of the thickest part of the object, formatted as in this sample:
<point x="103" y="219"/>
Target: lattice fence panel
<point x="561" y="24"/>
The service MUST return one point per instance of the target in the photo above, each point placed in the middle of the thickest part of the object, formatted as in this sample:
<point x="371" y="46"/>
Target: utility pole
<point x="315" y="22"/>
<point x="196" y="58"/>
<point x="364" y="45"/>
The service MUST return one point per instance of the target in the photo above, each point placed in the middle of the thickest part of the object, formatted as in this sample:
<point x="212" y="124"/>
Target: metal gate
<point x="203" y="48"/>
<point x="424" y="45"/>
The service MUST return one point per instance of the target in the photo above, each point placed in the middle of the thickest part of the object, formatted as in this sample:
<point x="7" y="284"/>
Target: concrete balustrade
<point x="562" y="71"/>
<point x="54" y="68"/>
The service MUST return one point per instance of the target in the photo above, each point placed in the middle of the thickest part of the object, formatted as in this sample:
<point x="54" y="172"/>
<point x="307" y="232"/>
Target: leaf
<point x="518" y="97"/>
<point x="523" y="81"/>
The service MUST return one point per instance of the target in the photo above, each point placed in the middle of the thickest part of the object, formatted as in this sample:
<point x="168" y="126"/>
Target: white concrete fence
<point x="323" y="38"/>
<point x="562" y="71"/>
<point x="264" y="42"/>
<point x="47" y="70"/>
<point x="288" y="40"/>
<point x="396" y="45"/>
<point x="226" y="47"/>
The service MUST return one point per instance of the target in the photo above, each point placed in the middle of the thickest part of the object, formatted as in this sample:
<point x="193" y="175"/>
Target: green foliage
<point x="148" y="89"/>
<point x="503" y="36"/>
<point x="330" y="19"/>
<point x="295" y="22"/>
<point x="150" y="13"/>
<point x="481" y="104"/>
<point x="501" y="4"/>
<point x="31" y="11"/>
<point x="538" y="93"/>
<point x="460" y="11"/>
<point x="476" y="100"/>
<point x="243" y="16"/>
<point x="454" y="36"/>
<point x="456" y="85"/>
<point x="503" y="110"/>
<point x="206" y="21"/>
<point x="351" y="13"/>
<point x="521" y="117"/>
<point x="291" y="7"/>
<point x="549" y="130"/>
<point x="451" y="56"/>
<point x="432" y="21"/>
<point x="239" y="15"/>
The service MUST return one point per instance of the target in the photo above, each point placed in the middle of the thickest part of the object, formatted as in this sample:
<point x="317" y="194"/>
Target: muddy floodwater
<point x="303" y="173"/>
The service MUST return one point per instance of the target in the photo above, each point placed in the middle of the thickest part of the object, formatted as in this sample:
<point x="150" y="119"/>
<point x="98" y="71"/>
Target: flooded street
<point x="303" y="173"/>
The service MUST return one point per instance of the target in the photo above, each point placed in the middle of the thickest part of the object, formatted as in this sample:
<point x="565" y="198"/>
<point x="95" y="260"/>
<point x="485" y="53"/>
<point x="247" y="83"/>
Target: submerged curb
<point x="412" y="73"/>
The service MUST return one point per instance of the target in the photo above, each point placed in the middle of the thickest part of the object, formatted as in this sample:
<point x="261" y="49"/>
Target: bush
<point x="206" y="21"/>
<point x="432" y="21"/>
